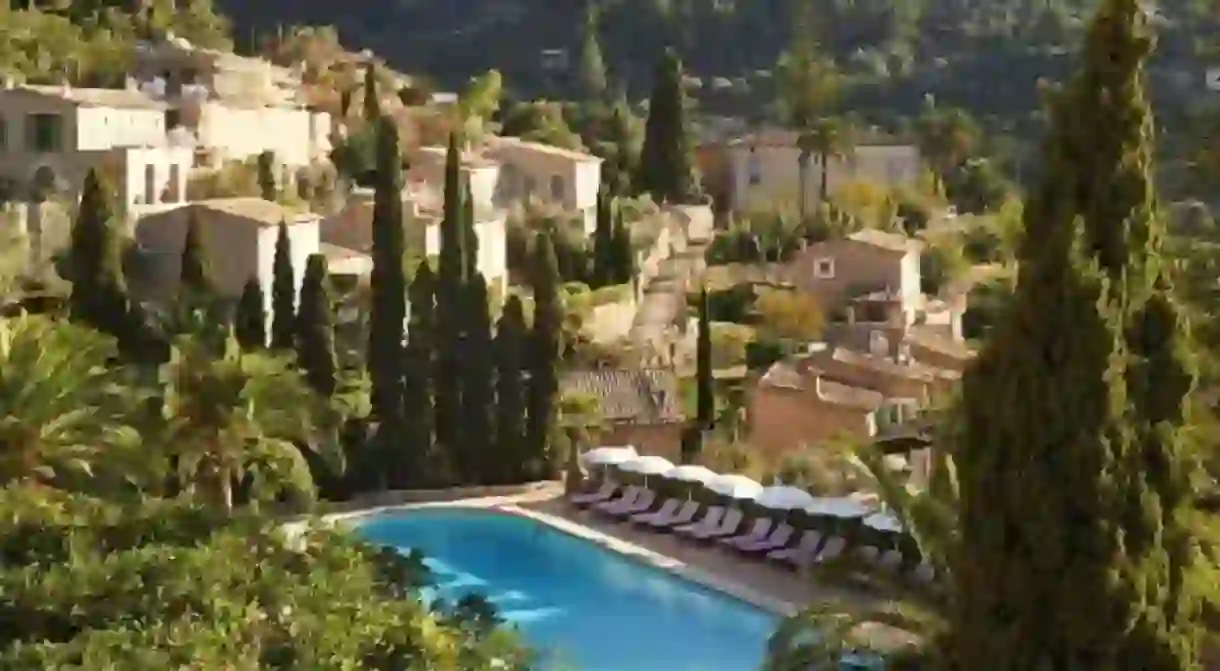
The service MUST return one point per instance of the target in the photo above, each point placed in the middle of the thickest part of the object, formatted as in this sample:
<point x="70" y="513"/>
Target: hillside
<point x="986" y="55"/>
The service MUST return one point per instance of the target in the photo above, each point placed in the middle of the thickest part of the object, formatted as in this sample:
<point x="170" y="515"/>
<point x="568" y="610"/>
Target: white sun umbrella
<point x="736" y="486"/>
<point x="608" y="455"/>
<point x="783" y="497"/>
<point x="839" y="507"/>
<point x="895" y="462"/>
<point x="883" y="522"/>
<point x="691" y="473"/>
<point x="649" y="465"/>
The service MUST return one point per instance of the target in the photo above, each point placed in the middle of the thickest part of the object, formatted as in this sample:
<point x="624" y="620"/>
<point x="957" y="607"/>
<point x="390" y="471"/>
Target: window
<point x="173" y="119"/>
<point x="173" y="193"/>
<point x="527" y="187"/>
<point x="150" y="184"/>
<point x="3" y="134"/>
<point x="557" y="187"/>
<point x="824" y="269"/>
<point x="45" y="133"/>
<point x="755" y="168"/>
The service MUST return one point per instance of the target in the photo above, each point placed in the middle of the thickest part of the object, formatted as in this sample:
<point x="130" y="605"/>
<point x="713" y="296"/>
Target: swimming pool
<point x="589" y="608"/>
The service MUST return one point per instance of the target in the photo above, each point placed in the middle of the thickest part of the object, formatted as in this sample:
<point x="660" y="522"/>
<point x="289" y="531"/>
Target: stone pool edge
<point x="662" y="562"/>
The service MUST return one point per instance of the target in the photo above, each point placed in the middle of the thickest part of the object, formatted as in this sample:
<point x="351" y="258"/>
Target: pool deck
<point x="759" y="583"/>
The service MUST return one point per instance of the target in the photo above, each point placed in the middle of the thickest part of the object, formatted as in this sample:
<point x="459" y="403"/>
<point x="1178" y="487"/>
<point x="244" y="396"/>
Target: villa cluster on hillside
<point x="188" y="112"/>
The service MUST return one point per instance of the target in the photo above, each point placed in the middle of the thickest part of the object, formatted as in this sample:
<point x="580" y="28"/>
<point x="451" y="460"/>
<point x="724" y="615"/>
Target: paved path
<point x="663" y="306"/>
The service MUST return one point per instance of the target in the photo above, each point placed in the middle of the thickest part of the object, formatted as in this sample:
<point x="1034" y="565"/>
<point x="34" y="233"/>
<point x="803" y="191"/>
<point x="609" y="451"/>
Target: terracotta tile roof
<point x="337" y="253"/>
<point x="89" y="97"/>
<point x="496" y="143"/>
<point x="469" y="159"/>
<point x="913" y="370"/>
<point x="263" y="212"/>
<point x="648" y="396"/>
<point x="884" y="239"/>
<point x="854" y="397"/>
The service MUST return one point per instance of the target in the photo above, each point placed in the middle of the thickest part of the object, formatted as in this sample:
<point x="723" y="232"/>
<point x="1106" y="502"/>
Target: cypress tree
<point x="478" y="388"/>
<point x="1073" y="485"/>
<point x="267" y="184"/>
<point x="620" y="166"/>
<point x="372" y="101"/>
<point x="510" y="392"/>
<point x="195" y="275"/>
<point x="416" y="464"/>
<point x="283" y="292"/>
<point x="250" y="322"/>
<point x="667" y="169"/>
<point x="623" y="252"/>
<point x="315" y="339"/>
<point x="592" y="65"/>
<point x="543" y="356"/>
<point x="470" y="235"/>
<point x="605" y="269"/>
<point x="451" y="281"/>
<point x="705" y="401"/>
<point x="387" y="285"/>
<point x="99" y="294"/>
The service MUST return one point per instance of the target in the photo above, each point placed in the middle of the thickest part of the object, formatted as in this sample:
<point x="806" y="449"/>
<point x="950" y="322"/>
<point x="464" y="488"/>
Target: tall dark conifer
<point x="623" y="252"/>
<point x="372" y="96"/>
<point x="99" y="293"/>
<point x="283" y="293"/>
<point x="543" y="356"/>
<point x="592" y="65"/>
<point x="477" y="463"/>
<point x="418" y="464"/>
<point x="268" y="185"/>
<point x="451" y="281"/>
<point x="604" y="265"/>
<point x="195" y="278"/>
<point x="1070" y="460"/>
<point x="705" y="401"/>
<point x="509" y="349"/>
<point x="666" y="169"/>
<point x="250" y="322"/>
<point x="315" y="339"/>
<point x="388" y="288"/>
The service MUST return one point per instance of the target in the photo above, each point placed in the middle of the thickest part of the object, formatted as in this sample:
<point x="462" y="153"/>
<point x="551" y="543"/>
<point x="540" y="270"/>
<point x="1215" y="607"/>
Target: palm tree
<point x="241" y="415"/>
<point x="946" y="138"/>
<point x="916" y="612"/>
<point x="826" y="138"/>
<point x="63" y="414"/>
<point x="578" y="417"/>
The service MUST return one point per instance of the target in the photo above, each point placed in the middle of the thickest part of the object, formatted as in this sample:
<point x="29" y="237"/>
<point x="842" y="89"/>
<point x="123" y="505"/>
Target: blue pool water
<point x="589" y="608"/>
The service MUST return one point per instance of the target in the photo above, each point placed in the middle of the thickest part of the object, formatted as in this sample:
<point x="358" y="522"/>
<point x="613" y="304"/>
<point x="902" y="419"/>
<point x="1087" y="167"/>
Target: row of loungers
<point x="765" y="537"/>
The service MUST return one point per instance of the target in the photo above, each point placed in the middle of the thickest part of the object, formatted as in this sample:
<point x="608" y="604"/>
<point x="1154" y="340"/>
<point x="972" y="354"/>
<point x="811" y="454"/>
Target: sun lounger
<point x="684" y="516"/>
<point x="757" y="532"/>
<point x="709" y="521"/>
<point x="667" y="510"/>
<point x="728" y="526"/>
<point x="641" y="504"/>
<point x="810" y="542"/>
<point x="629" y="496"/>
<point x="835" y="545"/>
<point x="604" y="494"/>
<point x="780" y="536"/>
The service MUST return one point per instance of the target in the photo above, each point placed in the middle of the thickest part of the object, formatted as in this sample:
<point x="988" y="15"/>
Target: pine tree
<point x="315" y="338"/>
<point x="250" y="322"/>
<point x="623" y="251"/>
<point x="705" y="400"/>
<point x="1069" y="462"/>
<point x="283" y="292"/>
<point x="268" y="185"/>
<point x="416" y="464"/>
<point x="478" y="387"/>
<point x="544" y="353"/>
<point x="99" y="294"/>
<point x="592" y="65"/>
<point x="666" y="168"/>
<point x="195" y="276"/>
<point x="388" y="284"/>
<point x="372" y="100"/>
<point x="451" y="280"/>
<point x="605" y="267"/>
<point x="510" y="392"/>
